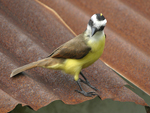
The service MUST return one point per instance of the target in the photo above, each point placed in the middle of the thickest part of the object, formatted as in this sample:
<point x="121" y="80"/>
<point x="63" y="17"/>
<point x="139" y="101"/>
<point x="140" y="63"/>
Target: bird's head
<point x="96" y="23"/>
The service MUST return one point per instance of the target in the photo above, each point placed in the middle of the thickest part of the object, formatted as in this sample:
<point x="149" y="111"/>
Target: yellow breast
<point x="71" y="66"/>
<point x="97" y="50"/>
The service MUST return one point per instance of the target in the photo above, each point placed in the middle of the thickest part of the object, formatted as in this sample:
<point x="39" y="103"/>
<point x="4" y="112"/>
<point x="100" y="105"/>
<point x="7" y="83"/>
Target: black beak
<point x="94" y="30"/>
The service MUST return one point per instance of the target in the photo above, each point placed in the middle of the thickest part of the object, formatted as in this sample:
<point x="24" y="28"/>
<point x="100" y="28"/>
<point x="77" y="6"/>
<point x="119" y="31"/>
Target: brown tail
<point x="23" y="68"/>
<point x="46" y="63"/>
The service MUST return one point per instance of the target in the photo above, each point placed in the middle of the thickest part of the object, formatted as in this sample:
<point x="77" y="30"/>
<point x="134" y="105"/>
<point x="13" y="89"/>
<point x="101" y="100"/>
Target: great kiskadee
<point x="76" y="54"/>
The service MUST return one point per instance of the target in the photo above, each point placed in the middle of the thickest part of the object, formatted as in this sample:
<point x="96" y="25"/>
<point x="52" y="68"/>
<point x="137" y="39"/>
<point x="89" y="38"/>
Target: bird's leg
<point x="88" y="94"/>
<point x="87" y="82"/>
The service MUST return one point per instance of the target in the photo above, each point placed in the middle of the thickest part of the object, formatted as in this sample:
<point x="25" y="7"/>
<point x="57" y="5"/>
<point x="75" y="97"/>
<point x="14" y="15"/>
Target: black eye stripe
<point x="90" y="22"/>
<point x="101" y="28"/>
<point x="100" y="17"/>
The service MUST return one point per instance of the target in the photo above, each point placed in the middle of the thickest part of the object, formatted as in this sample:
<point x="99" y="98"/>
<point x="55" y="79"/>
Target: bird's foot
<point x="88" y="83"/>
<point x="87" y="94"/>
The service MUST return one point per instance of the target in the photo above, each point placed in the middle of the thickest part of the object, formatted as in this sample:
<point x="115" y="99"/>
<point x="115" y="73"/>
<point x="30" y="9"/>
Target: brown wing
<point x="75" y="48"/>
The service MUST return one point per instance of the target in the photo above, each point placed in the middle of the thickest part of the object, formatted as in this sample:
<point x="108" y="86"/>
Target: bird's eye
<point x="101" y="28"/>
<point x="90" y="22"/>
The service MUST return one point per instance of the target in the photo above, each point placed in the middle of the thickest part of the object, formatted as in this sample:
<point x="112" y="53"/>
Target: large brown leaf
<point x="30" y="31"/>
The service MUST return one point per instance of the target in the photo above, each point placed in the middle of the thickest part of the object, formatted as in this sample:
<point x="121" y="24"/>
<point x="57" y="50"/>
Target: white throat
<point x="96" y="37"/>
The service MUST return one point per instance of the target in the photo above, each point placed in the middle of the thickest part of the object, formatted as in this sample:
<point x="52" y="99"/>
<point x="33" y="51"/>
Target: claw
<point x="88" y="94"/>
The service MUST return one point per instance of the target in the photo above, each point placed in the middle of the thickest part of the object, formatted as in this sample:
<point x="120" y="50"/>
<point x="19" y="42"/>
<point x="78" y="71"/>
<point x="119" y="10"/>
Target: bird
<point x="76" y="54"/>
